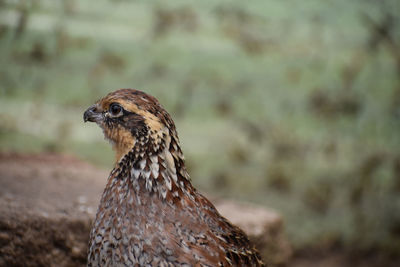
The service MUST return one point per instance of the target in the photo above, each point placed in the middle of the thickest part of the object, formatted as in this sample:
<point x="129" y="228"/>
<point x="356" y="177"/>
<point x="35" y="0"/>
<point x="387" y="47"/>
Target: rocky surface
<point x="263" y="226"/>
<point x="47" y="204"/>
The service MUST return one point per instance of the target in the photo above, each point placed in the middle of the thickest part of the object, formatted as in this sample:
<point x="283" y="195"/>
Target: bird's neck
<point x="156" y="166"/>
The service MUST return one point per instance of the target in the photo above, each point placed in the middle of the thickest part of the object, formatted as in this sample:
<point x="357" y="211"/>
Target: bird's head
<point x="132" y="118"/>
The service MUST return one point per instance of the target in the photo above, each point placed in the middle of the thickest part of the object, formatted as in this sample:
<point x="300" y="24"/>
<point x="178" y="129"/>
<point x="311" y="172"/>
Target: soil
<point x="48" y="201"/>
<point x="45" y="223"/>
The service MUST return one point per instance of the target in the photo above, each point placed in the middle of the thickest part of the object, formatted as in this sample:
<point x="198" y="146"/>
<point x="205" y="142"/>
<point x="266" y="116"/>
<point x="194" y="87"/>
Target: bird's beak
<point x="92" y="114"/>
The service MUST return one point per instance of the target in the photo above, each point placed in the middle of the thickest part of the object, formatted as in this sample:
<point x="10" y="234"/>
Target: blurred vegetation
<point x="291" y="104"/>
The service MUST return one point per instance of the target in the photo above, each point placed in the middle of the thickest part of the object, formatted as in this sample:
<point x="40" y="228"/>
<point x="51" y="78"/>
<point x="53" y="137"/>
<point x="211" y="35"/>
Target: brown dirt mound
<point x="48" y="201"/>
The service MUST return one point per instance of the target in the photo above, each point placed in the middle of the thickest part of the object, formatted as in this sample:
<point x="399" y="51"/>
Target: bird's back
<point x="140" y="228"/>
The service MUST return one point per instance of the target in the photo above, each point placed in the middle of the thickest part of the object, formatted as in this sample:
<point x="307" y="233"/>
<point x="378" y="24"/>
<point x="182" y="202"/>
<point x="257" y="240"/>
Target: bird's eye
<point x="115" y="109"/>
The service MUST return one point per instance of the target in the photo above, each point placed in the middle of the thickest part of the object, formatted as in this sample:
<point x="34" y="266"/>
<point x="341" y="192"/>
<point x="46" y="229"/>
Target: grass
<point x="280" y="102"/>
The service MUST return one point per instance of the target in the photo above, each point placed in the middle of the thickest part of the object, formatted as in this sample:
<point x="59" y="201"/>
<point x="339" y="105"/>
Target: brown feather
<point x="149" y="213"/>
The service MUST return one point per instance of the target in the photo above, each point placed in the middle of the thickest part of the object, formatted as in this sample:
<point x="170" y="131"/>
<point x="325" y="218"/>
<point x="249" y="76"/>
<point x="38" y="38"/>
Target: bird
<point x="150" y="214"/>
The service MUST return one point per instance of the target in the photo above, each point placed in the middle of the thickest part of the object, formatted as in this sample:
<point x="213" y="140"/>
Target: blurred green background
<point x="294" y="105"/>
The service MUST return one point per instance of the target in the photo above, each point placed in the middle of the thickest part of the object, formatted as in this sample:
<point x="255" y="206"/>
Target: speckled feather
<point x="149" y="213"/>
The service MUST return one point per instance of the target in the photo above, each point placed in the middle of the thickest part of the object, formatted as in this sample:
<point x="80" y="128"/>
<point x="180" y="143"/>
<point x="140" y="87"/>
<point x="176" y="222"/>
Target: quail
<point x="149" y="213"/>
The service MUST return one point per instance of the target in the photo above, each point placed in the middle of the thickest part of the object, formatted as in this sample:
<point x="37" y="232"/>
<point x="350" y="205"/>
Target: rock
<point x="263" y="226"/>
<point x="43" y="221"/>
<point x="48" y="202"/>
